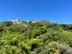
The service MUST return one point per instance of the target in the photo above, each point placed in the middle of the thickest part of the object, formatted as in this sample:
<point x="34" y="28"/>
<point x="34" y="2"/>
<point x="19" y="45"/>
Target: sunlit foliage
<point x="42" y="37"/>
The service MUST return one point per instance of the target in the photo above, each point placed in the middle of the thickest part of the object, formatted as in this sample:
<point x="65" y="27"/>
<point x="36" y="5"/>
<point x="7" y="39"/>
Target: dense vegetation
<point x="35" y="38"/>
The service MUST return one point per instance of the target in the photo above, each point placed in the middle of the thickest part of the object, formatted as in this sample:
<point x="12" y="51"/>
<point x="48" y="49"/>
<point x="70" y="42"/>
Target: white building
<point x="32" y="21"/>
<point x="15" y="21"/>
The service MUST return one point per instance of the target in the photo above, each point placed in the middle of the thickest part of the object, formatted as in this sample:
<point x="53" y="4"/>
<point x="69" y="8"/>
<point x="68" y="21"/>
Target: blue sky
<point x="59" y="11"/>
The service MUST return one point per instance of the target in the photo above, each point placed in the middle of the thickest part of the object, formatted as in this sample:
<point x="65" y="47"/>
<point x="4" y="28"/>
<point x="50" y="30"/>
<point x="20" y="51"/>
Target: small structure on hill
<point x="32" y="21"/>
<point x="17" y="21"/>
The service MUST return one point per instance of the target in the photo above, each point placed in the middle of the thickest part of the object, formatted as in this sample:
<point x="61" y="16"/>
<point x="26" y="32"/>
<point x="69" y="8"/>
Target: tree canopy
<point x="41" y="37"/>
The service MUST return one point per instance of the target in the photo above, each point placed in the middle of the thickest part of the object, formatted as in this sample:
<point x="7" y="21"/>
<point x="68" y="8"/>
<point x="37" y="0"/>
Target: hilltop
<point x="35" y="37"/>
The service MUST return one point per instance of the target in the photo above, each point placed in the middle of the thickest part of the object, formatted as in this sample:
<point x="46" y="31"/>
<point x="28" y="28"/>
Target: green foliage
<point x="8" y="23"/>
<point x="41" y="37"/>
<point x="1" y="28"/>
<point x="17" y="28"/>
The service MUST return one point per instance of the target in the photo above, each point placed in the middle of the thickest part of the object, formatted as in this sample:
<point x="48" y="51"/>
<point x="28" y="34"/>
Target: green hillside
<point x="41" y="37"/>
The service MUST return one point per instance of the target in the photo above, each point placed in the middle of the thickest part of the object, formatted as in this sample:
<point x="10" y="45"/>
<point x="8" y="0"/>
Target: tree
<point x="8" y="23"/>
